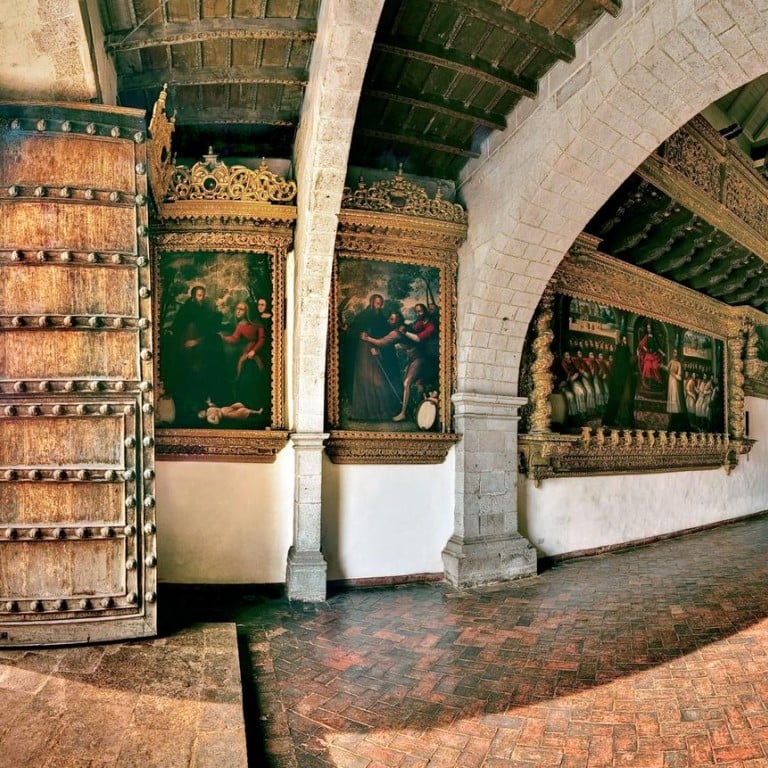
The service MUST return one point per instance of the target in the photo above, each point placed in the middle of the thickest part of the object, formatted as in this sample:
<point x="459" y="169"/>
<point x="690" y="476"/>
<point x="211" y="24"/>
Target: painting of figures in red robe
<point x="215" y="319"/>
<point x="615" y="368"/>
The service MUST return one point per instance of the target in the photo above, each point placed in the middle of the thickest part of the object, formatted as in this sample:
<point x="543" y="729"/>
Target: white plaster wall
<point x="230" y="523"/>
<point x="224" y="523"/>
<point x="381" y="521"/>
<point x="567" y="515"/>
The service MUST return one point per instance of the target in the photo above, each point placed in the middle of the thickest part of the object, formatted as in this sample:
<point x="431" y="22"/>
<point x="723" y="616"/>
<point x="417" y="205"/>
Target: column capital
<point x="308" y="439"/>
<point x="495" y="406"/>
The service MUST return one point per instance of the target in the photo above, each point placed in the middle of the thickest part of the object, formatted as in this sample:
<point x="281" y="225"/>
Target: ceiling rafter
<point x="211" y="29"/>
<point x="452" y="108"/>
<point x="519" y="26"/>
<point x="235" y="116"/>
<point x="429" y="53"/>
<point x="214" y="76"/>
<point x="420" y="141"/>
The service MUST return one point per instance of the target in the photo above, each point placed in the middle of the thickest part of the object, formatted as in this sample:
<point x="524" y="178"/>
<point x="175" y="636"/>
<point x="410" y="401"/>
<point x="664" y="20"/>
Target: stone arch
<point x="636" y="79"/>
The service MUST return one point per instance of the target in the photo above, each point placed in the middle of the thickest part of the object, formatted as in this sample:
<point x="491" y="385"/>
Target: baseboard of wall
<point x="339" y="585"/>
<point x="546" y="562"/>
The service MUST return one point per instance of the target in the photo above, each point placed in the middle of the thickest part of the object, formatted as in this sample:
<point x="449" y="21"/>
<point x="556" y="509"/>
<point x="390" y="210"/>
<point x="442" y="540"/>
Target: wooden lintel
<point x="214" y="76"/>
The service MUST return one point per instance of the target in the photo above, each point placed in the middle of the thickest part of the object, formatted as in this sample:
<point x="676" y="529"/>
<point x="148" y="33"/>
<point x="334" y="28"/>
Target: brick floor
<point x="655" y="657"/>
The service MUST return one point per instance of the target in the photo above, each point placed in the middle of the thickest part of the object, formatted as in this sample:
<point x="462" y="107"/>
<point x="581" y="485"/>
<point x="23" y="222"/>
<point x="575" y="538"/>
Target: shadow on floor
<point x="660" y="633"/>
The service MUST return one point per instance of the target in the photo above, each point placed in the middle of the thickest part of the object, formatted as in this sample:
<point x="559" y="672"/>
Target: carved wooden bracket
<point x="632" y="451"/>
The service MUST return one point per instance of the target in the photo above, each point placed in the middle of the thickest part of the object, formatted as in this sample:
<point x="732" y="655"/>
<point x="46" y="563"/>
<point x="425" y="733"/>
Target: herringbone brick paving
<point x="655" y="657"/>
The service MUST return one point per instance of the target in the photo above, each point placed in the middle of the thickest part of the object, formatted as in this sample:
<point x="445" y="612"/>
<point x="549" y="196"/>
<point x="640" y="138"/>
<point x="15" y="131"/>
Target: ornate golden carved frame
<point x="213" y="207"/>
<point x="395" y="221"/>
<point x="703" y="170"/>
<point x="588" y="274"/>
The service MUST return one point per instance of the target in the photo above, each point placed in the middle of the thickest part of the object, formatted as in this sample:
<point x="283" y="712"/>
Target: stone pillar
<point x="486" y="546"/>
<point x="306" y="570"/>
<point x="346" y="30"/>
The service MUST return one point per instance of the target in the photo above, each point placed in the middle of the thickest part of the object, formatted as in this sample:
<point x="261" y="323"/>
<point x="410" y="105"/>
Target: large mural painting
<point x="620" y="369"/>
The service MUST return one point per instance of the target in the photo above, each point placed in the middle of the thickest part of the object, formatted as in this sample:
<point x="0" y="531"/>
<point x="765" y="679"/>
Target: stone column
<point x="346" y="29"/>
<point x="306" y="570"/>
<point x="486" y="546"/>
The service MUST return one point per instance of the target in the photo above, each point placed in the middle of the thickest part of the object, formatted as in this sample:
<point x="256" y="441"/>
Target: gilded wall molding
<point x="223" y="445"/>
<point x="348" y="447"/>
<point x="626" y="451"/>
<point x="588" y="274"/>
<point x="698" y="168"/>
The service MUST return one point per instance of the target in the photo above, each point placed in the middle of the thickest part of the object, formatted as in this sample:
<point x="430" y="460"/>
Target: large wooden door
<point x="77" y="517"/>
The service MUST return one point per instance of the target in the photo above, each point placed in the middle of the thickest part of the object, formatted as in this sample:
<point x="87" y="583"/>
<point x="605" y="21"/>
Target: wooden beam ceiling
<point x="429" y="53"/>
<point x="211" y="29"/>
<point x="457" y="110"/>
<point x="419" y="141"/>
<point x="519" y="26"/>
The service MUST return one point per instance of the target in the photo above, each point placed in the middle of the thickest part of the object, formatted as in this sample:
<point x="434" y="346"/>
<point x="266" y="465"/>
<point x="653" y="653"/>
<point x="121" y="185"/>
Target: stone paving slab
<point x="170" y="702"/>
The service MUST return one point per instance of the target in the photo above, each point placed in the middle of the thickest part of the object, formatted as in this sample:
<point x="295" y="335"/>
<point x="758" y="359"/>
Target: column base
<point x="471" y="563"/>
<point x="305" y="576"/>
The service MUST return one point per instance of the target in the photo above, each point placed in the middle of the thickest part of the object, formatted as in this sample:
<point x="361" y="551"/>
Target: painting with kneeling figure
<point x="215" y="340"/>
<point x="616" y="368"/>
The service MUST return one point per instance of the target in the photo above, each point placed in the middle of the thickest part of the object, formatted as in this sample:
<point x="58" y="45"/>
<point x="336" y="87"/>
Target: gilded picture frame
<point x="391" y="342"/>
<point x="219" y="374"/>
<point x="709" y="337"/>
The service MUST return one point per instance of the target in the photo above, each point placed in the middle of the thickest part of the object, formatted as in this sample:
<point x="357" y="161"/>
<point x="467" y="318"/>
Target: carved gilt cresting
<point x="703" y="171"/>
<point x="588" y="274"/>
<point x="212" y="206"/>
<point x="396" y="220"/>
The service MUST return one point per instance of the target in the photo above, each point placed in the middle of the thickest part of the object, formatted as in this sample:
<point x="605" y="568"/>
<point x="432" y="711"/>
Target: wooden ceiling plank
<point x="211" y="29"/>
<point x="448" y="107"/>
<point x="515" y="24"/>
<point x="419" y="141"/>
<point x="410" y="48"/>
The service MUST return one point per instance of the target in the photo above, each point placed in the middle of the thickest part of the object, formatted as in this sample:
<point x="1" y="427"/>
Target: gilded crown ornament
<point x="398" y="195"/>
<point x="212" y="179"/>
<point x="182" y="192"/>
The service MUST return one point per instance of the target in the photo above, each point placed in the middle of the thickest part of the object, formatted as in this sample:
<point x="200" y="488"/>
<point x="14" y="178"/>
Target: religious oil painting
<point x="615" y="368"/>
<point x="215" y="326"/>
<point x="389" y="334"/>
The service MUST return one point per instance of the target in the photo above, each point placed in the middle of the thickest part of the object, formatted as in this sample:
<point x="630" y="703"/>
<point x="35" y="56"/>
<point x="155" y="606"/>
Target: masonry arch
<point x="636" y="79"/>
